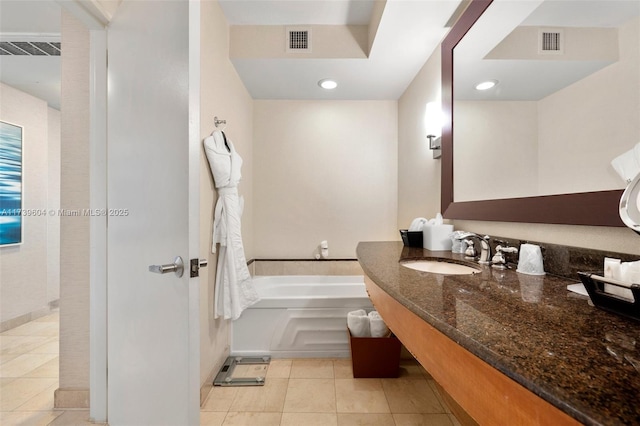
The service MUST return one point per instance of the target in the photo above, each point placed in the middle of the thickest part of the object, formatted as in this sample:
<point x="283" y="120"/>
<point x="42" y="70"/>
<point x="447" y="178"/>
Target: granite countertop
<point x="581" y="359"/>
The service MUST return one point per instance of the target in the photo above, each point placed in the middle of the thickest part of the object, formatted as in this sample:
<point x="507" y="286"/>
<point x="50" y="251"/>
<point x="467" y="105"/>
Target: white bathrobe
<point x="234" y="290"/>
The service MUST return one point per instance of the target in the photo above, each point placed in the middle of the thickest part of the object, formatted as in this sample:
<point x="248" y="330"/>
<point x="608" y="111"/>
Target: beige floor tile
<point x="8" y="357"/>
<point x="52" y="317"/>
<point x="454" y="420"/>
<point x="312" y="369"/>
<point x="220" y="398"/>
<point x="360" y="419"/>
<point x="411" y="396"/>
<point x="279" y="369"/>
<point x="48" y="369"/>
<point x="33" y="328"/>
<point x="28" y="418"/>
<point x="309" y="419"/>
<point x="41" y="402"/>
<point x="267" y="398"/>
<point x="410" y="369"/>
<point x="342" y="368"/>
<point x="252" y="419"/>
<point x="51" y="347"/>
<point x="422" y="420"/>
<point x="19" y="391"/>
<point x="360" y="396"/>
<point x="20" y="344"/>
<point x="24" y="364"/>
<point x="75" y="418"/>
<point x="6" y="380"/>
<point x="212" y="418"/>
<point x="435" y="389"/>
<point x="310" y="396"/>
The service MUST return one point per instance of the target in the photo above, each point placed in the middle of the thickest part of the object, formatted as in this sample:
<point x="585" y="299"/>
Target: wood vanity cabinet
<point x="488" y="396"/>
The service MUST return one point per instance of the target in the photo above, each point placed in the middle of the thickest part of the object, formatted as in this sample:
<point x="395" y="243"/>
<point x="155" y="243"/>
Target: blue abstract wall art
<point x="11" y="137"/>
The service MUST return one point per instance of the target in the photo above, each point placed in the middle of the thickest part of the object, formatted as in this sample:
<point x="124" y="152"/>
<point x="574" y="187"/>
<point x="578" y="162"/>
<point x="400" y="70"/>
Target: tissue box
<point x="375" y="357"/>
<point x="411" y="238"/>
<point x="437" y="237"/>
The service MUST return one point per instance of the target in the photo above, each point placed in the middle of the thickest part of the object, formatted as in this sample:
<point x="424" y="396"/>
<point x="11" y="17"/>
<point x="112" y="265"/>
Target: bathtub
<point x="299" y="316"/>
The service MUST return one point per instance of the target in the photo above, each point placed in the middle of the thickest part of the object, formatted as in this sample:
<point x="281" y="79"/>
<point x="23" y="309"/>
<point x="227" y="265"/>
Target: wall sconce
<point x="433" y="126"/>
<point x="435" y="145"/>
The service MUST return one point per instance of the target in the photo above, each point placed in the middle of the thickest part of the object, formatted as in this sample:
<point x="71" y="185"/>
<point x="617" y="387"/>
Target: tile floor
<point x="297" y="392"/>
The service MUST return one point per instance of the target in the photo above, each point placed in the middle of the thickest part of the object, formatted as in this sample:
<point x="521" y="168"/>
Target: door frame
<point x="96" y="20"/>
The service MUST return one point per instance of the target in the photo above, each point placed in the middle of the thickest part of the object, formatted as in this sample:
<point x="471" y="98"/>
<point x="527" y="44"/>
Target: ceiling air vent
<point x="551" y="41"/>
<point x="30" y="48"/>
<point x="298" y="39"/>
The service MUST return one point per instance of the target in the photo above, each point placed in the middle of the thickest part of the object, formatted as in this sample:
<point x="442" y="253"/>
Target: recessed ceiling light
<point x="486" y="85"/>
<point x="328" y="84"/>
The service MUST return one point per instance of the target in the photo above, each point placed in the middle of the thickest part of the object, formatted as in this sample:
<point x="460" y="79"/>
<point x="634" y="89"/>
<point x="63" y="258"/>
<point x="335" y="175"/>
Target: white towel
<point x="628" y="164"/>
<point x="377" y="326"/>
<point x="417" y="224"/>
<point x="358" y="323"/>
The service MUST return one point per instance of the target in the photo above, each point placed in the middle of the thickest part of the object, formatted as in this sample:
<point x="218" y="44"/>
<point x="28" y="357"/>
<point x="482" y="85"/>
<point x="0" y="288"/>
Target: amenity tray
<point x="594" y="282"/>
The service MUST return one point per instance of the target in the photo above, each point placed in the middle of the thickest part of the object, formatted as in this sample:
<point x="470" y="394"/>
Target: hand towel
<point x="358" y="323"/>
<point x="377" y="326"/>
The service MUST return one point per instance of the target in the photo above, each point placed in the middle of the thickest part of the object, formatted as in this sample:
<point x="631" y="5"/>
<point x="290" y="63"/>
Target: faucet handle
<point x="499" y="261"/>
<point x="471" y="251"/>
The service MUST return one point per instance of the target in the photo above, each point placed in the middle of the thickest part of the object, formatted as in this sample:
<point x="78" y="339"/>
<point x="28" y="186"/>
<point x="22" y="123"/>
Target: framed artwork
<point x="11" y="208"/>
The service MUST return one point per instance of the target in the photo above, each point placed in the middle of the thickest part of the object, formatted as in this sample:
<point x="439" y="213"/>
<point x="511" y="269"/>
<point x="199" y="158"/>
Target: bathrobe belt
<point x="223" y="208"/>
<point x="227" y="191"/>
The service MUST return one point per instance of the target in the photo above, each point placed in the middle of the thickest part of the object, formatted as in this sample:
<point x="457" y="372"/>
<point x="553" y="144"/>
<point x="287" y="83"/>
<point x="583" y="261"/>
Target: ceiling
<point x="407" y="33"/>
<point x="402" y="36"/>
<point x="395" y="39"/>
<point x="31" y="21"/>
<point x="524" y="74"/>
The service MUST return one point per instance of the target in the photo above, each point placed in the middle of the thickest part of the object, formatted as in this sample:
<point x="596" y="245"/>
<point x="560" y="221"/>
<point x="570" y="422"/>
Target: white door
<point x="153" y="168"/>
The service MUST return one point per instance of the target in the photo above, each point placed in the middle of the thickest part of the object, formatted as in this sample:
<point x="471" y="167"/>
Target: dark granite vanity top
<point x="579" y="358"/>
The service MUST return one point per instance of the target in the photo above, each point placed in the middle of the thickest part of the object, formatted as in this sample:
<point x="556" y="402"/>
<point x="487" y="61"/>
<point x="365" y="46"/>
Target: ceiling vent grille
<point x="30" y="48"/>
<point x="298" y="40"/>
<point x="551" y="41"/>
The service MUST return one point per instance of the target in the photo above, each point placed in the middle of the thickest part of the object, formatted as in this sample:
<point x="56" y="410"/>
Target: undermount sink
<point x="441" y="267"/>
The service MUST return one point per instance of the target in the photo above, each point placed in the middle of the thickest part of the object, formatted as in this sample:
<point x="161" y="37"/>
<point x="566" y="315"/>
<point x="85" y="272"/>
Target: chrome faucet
<point x="485" y="252"/>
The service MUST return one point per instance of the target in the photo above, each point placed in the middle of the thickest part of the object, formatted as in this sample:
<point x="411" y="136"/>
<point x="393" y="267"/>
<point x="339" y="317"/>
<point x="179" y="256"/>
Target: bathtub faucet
<point x="485" y="253"/>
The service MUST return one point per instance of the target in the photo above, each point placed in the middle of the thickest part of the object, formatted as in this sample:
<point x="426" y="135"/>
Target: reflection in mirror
<point x="566" y="102"/>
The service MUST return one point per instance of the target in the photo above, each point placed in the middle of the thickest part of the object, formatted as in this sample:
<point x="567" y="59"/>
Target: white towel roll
<point x="358" y="323"/>
<point x="377" y="326"/>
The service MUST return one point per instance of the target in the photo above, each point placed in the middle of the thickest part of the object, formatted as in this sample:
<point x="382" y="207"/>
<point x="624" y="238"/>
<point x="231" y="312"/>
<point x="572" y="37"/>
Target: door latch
<point x="195" y="265"/>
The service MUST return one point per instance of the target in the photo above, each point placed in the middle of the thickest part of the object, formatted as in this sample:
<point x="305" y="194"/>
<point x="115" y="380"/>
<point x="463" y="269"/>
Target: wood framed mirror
<point x="598" y="208"/>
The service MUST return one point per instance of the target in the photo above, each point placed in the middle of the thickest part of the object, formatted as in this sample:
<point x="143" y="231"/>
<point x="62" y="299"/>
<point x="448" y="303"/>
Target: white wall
<point x="29" y="279"/>
<point x="324" y="170"/>
<point x="591" y="122"/>
<point x="223" y="95"/>
<point x="418" y="171"/>
<point x="496" y="151"/>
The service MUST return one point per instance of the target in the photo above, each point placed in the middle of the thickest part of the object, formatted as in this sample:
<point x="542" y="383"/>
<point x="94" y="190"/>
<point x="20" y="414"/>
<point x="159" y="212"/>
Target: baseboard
<point x="208" y="383"/>
<point x="71" y="398"/>
<point x="28" y="317"/>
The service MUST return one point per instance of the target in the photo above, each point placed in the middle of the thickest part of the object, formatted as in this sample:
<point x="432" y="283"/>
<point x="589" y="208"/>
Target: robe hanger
<point x="217" y="122"/>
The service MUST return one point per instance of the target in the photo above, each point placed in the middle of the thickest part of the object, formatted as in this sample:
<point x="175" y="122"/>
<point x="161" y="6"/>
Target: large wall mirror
<point x="537" y="146"/>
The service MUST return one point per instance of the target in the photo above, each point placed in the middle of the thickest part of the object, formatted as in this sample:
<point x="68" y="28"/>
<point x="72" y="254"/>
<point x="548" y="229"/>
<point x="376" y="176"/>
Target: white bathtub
<point x="299" y="316"/>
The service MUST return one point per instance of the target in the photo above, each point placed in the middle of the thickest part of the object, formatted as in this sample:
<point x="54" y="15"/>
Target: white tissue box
<point x="437" y="237"/>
